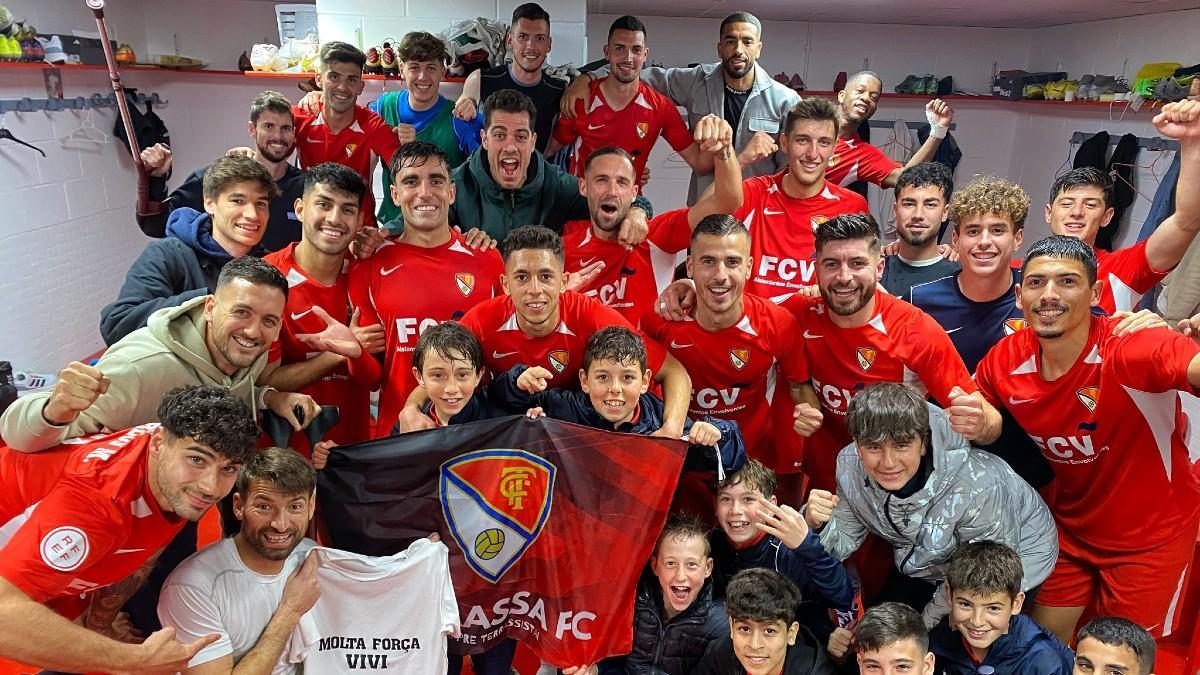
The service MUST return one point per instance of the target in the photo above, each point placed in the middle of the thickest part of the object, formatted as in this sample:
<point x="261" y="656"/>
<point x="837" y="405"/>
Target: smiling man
<point x="186" y="264"/>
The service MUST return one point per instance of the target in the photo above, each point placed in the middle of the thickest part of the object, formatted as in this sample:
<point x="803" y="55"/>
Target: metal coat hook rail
<point x="75" y="103"/>
<point x="889" y="124"/>
<point x="1152" y="143"/>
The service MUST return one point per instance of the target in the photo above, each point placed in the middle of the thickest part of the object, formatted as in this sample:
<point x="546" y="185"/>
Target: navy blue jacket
<point x="1027" y="649"/>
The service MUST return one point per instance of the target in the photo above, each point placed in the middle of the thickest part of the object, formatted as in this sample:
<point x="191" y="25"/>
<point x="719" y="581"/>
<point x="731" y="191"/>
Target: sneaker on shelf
<point x="11" y="49"/>
<point x="1086" y="84"/>
<point x="1169" y="90"/>
<point x="374" y="65"/>
<point x="6" y="20"/>
<point x="390" y="67"/>
<point x="1033" y="91"/>
<point x="26" y="380"/>
<point x="1102" y="86"/>
<point x="839" y="82"/>
<point x="929" y="85"/>
<point x="54" y="50"/>
<point x="796" y="83"/>
<point x="1057" y="90"/>
<point x="29" y="45"/>
<point x="945" y="86"/>
<point x="781" y="78"/>
<point x="913" y="84"/>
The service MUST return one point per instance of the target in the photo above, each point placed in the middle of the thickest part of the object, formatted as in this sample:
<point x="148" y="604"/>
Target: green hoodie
<point x="168" y="352"/>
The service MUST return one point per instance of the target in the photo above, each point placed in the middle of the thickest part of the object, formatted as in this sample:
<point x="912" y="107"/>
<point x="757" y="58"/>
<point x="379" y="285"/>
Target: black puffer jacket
<point x="674" y="646"/>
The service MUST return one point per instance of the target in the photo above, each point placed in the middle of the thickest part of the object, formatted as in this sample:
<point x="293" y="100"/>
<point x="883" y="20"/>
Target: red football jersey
<point x="561" y="352"/>
<point x="79" y="516"/>
<point x="349" y="385"/>
<point x="855" y="159"/>
<point x="736" y="370"/>
<point x="408" y="289"/>
<point x="1112" y="427"/>
<point x="634" y="128"/>
<point x="631" y="279"/>
<point x="781" y="231"/>
<point x="353" y="146"/>
<point x="899" y="344"/>
<point x="1127" y="275"/>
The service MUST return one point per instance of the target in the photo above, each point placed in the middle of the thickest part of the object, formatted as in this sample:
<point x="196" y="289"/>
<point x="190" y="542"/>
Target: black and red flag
<point x="549" y="523"/>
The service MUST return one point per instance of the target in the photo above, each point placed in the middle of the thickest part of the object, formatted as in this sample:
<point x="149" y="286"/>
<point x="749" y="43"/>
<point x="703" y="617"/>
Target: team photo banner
<point x="548" y="524"/>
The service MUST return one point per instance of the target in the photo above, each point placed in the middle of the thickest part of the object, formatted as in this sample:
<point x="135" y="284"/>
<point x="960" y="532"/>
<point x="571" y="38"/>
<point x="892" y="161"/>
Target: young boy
<point x="764" y="636"/>
<point x="1110" y="644"/>
<point x="985" y="626"/>
<point x="756" y="532"/>
<point x="891" y="638"/>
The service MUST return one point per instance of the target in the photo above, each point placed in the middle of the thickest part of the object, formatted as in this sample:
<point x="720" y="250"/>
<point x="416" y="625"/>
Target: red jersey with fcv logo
<point x="781" y="232"/>
<point x="1113" y="428"/>
<point x="79" y="516"/>
<point x="561" y="351"/>
<point x="899" y="344"/>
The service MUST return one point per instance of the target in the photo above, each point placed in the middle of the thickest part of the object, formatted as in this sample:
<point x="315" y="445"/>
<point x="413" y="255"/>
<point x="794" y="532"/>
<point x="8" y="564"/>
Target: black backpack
<point x="147" y="126"/>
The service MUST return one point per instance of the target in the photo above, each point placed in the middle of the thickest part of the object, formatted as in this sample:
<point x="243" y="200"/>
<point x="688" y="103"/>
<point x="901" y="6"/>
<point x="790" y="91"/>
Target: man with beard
<point x="251" y="589"/>
<point x="736" y="88"/>
<point x="854" y="159"/>
<point x="529" y="41"/>
<point x="274" y="136"/>
<point x="856" y="335"/>
<point x="622" y="110"/>
<point x="922" y="193"/>
<point x="630" y="279"/>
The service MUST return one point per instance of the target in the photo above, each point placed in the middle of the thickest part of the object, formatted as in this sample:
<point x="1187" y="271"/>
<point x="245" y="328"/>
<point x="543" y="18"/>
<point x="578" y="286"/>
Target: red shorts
<point x="1144" y="587"/>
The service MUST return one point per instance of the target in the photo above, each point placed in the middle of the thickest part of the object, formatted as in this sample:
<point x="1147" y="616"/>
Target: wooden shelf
<point x="197" y="71"/>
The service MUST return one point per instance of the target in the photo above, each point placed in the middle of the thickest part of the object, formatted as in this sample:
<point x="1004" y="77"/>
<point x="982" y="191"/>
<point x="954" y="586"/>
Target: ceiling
<point x="1010" y="14"/>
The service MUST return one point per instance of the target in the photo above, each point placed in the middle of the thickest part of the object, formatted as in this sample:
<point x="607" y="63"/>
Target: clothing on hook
<point x="7" y="135"/>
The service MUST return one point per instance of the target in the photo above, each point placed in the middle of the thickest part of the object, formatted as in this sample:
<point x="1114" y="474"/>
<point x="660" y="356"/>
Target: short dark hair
<point x="927" y="174"/>
<point x="1116" y="631"/>
<point x="229" y="171"/>
<point x="422" y="46"/>
<point x="271" y="101"/>
<point x="532" y="237"/>
<point x="530" y="11"/>
<point x="1062" y="246"/>
<point x="416" y="153"/>
<point x="984" y="568"/>
<point x="741" y="17"/>
<point x="812" y="109"/>
<point x="847" y="227"/>
<point x="342" y="52"/>
<point x="719" y="225"/>
<point x="444" y="339"/>
<point x="509" y="101"/>
<point x="1084" y="176"/>
<point x="627" y="22"/>
<point x="211" y="416"/>
<point x="615" y="343"/>
<point x="606" y="151"/>
<point x="255" y="270"/>
<point x="338" y="177"/>
<point x="681" y="525"/>
<point x="889" y="623"/>
<point x="761" y="594"/>
<point x="862" y="74"/>
<point x="887" y="410"/>
<point x="754" y="475"/>
<point x="283" y="468"/>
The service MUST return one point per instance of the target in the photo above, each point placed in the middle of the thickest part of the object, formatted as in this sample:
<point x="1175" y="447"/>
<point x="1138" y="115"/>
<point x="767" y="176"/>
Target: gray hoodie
<point x="970" y="495"/>
<point x="169" y="352"/>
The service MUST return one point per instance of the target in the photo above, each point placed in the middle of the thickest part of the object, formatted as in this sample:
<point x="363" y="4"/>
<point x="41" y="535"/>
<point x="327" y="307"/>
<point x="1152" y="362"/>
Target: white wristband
<point x="938" y="130"/>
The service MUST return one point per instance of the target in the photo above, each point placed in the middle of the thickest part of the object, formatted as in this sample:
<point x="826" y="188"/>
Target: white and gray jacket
<point x="970" y="495"/>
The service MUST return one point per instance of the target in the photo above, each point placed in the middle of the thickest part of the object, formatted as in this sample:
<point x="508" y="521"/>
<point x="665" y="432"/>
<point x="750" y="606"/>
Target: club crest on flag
<point x="643" y="128"/>
<point x="739" y="357"/>
<point x="466" y="283"/>
<point x="496" y="503"/>
<point x="1089" y="397"/>
<point x="1013" y="325"/>
<point x="558" y="359"/>
<point x="866" y="357"/>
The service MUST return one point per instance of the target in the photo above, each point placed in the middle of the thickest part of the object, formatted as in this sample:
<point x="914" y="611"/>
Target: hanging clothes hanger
<point x="86" y="132"/>
<point x="7" y="135"/>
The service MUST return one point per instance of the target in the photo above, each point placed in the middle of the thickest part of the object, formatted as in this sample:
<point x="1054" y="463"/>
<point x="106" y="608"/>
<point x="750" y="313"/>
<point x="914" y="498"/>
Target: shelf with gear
<point x="196" y="71"/>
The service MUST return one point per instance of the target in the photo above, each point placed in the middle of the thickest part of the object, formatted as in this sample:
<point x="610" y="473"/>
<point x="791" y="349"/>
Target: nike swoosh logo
<point x="593" y="127"/>
<point x="954" y="330"/>
<point x="675" y="345"/>
<point x="129" y="550"/>
<point x="297" y="317"/>
<point x="587" y="262"/>
<point x="389" y="271"/>
<point x="810" y="336"/>
<point x="1018" y="401"/>
<point x="498" y="355"/>
<point x="769" y="212"/>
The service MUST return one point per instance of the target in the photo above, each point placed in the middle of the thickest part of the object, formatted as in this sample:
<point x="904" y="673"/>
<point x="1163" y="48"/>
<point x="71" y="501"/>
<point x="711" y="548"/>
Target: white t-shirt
<point x="214" y="592"/>
<point x="379" y="614"/>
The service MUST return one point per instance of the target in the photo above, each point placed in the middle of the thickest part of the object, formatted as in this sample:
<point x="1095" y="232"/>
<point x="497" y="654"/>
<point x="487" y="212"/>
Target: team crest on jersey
<point x="833" y="160"/>
<point x="496" y="503"/>
<point x="817" y="220"/>
<point x="558" y="359"/>
<point x="643" y="128"/>
<point x="350" y="148"/>
<point x="1089" y="397"/>
<point x="465" y="282"/>
<point x="739" y="357"/>
<point x="1013" y="325"/>
<point x="866" y="357"/>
